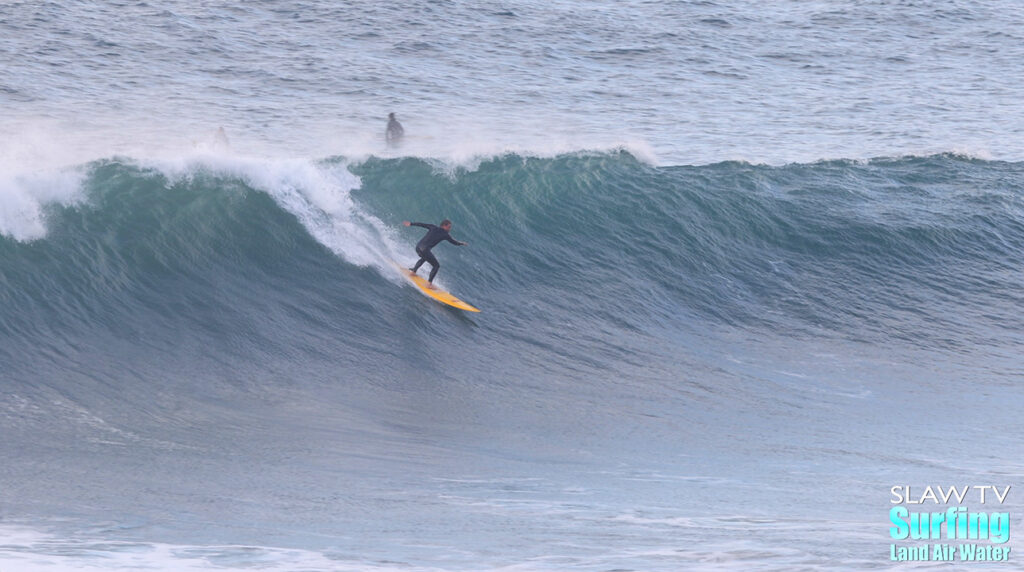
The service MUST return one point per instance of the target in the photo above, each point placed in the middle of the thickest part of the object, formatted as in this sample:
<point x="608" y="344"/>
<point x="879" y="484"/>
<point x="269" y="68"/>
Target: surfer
<point x="394" y="132"/>
<point x="220" y="140"/>
<point x="435" y="234"/>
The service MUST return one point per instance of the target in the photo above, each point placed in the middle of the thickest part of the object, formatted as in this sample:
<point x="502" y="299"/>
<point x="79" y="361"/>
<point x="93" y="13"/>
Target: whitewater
<point x="743" y="270"/>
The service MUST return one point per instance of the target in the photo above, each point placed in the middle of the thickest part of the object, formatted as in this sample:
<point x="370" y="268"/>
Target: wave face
<point x="875" y="250"/>
<point x="178" y="324"/>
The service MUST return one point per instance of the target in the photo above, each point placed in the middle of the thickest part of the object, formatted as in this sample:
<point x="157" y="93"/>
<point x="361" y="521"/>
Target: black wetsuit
<point x="394" y="132"/>
<point x="435" y="235"/>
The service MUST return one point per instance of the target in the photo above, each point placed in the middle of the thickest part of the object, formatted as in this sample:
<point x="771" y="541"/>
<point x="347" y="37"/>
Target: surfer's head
<point x="446" y="224"/>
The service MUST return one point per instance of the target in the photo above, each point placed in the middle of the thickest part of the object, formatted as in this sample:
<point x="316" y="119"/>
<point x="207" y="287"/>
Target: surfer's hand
<point x="406" y="223"/>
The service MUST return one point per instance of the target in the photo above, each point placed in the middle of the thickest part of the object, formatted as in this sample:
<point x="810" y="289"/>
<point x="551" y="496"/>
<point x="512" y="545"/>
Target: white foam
<point x="23" y="196"/>
<point x="37" y="167"/>
<point x="24" y="549"/>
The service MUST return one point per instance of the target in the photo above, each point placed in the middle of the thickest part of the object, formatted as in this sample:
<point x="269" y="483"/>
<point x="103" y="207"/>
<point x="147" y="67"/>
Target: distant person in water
<point x="395" y="132"/>
<point x="220" y="139"/>
<point x="435" y="234"/>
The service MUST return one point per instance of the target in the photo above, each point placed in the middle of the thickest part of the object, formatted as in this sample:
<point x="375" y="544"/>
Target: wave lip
<point x="24" y="196"/>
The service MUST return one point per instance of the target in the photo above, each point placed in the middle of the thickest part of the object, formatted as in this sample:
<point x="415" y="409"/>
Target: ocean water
<point x="743" y="268"/>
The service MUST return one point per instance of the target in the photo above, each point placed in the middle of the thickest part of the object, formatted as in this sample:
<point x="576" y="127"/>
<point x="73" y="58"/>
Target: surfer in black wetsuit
<point x="394" y="132"/>
<point x="435" y="234"/>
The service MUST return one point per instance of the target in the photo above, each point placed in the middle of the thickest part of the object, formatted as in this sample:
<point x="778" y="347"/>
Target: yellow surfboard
<point x="435" y="293"/>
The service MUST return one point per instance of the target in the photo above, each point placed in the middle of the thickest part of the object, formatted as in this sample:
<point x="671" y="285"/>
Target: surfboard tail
<point x="435" y="292"/>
